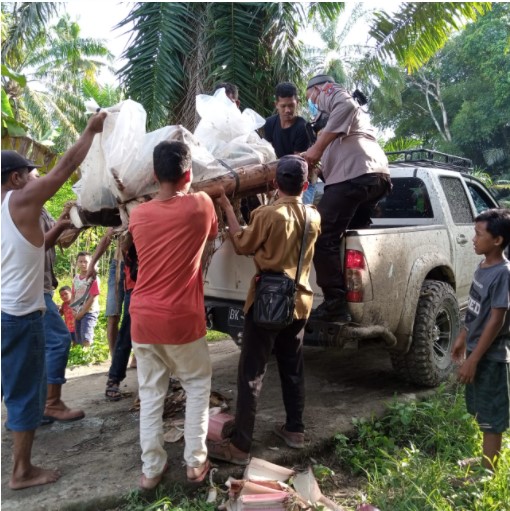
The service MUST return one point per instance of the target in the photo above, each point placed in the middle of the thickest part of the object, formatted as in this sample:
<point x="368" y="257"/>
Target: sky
<point x="97" y="19"/>
<point x="102" y="26"/>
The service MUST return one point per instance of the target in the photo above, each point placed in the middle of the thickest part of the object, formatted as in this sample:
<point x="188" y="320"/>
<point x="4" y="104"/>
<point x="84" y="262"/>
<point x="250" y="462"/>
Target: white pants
<point x="191" y="364"/>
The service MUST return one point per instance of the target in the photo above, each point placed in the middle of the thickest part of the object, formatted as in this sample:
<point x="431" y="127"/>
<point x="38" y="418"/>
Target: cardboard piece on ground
<point x="259" y="469"/>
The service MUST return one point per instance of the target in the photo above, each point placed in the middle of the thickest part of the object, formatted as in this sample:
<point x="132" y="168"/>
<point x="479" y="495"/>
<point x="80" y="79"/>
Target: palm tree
<point x="182" y="49"/>
<point x="55" y="65"/>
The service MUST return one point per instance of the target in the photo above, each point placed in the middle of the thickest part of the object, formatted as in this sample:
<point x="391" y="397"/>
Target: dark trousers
<point x="258" y="344"/>
<point x="349" y="204"/>
<point x="123" y="345"/>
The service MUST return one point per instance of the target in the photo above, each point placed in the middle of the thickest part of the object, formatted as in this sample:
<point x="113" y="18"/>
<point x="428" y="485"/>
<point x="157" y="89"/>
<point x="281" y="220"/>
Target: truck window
<point x="457" y="199"/>
<point x="408" y="199"/>
<point x="480" y="197"/>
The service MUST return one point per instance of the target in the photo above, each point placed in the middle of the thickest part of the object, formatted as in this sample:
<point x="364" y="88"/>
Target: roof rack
<point x="428" y="158"/>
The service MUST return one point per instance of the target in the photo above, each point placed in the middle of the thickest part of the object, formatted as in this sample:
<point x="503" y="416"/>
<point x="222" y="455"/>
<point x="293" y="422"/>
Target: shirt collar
<point x="289" y="200"/>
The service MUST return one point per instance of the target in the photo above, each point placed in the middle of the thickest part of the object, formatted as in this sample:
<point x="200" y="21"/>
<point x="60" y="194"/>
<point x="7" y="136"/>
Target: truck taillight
<point x="354" y="267"/>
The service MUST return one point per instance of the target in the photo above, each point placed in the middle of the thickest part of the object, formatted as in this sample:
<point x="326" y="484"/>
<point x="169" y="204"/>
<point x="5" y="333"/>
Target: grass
<point x="175" y="500"/>
<point x="409" y="458"/>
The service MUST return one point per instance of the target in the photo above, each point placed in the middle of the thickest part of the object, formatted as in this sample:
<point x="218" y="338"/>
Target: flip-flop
<point x="145" y="485"/>
<point x="203" y="474"/>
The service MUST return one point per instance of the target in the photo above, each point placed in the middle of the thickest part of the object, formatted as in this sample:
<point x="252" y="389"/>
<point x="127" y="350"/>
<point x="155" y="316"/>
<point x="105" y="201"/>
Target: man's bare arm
<point x="101" y="248"/>
<point x="63" y="223"/>
<point x="30" y="199"/>
<point x="51" y="237"/>
<point x="85" y="307"/>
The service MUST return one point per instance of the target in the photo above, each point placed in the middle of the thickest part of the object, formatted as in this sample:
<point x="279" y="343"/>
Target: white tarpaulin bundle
<point x="119" y="166"/>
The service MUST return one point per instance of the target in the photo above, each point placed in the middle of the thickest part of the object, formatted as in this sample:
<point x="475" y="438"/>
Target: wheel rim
<point x="442" y="334"/>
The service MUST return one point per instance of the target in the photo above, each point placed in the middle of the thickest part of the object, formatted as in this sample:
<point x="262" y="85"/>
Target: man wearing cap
<point x="23" y="343"/>
<point x="273" y="236"/>
<point x="355" y="170"/>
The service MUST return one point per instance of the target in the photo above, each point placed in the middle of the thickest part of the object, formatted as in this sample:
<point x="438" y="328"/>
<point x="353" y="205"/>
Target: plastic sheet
<point x="119" y="165"/>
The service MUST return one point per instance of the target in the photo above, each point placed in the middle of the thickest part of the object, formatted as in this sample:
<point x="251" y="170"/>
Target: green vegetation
<point x="175" y="500"/>
<point x="410" y="456"/>
<point x="54" y="55"/>
<point x="458" y="102"/>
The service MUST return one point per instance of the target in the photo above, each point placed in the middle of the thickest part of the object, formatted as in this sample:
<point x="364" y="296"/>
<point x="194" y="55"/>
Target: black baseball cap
<point x="318" y="79"/>
<point x="12" y="160"/>
<point x="291" y="171"/>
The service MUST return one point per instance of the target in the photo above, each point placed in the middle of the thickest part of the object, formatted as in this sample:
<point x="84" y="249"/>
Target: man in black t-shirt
<point x="286" y="131"/>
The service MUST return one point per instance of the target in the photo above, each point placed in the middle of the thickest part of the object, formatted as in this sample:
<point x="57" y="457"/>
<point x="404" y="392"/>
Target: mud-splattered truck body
<point x="408" y="275"/>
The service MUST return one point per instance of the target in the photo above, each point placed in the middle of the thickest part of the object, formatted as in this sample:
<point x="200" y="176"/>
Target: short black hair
<point x="230" y="89"/>
<point x="286" y="90"/>
<point x="64" y="288"/>
<point x="6" y="174"/>
<point x="498" y="223"/>
<point x="82" y="254"/>
<point x="171" y="160"/>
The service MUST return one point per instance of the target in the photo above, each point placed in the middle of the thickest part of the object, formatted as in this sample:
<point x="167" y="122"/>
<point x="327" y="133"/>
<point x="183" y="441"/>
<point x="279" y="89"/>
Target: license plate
<point x="235" y="317"/>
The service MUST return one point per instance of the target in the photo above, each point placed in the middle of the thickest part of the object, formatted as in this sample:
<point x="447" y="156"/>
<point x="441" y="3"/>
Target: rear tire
<point x="436" y="325"/>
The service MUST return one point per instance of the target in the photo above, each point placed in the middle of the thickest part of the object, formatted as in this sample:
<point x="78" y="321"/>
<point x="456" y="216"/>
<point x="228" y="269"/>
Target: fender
<point x="431" y="266"/>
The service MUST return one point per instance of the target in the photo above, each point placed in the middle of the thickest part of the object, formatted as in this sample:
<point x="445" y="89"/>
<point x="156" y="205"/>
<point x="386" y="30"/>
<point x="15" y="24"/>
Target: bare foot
<point x="36" y="476"/>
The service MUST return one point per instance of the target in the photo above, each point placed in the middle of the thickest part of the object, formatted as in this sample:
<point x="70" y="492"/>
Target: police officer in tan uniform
<point x="355" y="170"/>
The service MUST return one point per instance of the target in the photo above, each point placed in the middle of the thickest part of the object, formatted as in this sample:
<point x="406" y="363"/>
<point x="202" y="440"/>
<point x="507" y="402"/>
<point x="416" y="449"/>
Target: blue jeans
<point x="58" y="342"/>
<point x="123" y="345"/>
<point x="23" y="370"/>
<point x="115" y="291"/>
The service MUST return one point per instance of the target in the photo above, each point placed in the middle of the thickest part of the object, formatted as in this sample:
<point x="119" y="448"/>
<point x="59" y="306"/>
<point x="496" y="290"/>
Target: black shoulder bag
<point x="275" y="292"/>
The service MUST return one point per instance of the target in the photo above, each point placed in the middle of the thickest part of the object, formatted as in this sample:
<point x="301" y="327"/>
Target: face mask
<point x="312" y="107"/>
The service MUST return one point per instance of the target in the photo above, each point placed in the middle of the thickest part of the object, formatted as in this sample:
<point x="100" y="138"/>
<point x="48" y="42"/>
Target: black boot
<point x="335" y="310"/>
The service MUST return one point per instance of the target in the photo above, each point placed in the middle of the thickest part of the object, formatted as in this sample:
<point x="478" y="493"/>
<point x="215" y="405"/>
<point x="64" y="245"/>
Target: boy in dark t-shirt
<point x="485" y="337"/>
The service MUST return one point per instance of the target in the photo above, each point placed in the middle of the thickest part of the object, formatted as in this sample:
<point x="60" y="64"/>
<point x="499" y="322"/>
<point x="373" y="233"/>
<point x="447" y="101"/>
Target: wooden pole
<point x="240" y="182"/>
<point x="236" y="183"/>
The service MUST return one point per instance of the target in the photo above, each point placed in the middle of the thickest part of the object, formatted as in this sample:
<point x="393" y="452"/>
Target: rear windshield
<point x="408" y="199"/>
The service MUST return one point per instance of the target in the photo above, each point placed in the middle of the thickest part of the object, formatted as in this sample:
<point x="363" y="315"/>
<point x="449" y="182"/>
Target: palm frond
<point x="325" y="11"/>
<point x="416" y="31"/>
<point x="28" y="21"/>
<point x="154" y="73"/>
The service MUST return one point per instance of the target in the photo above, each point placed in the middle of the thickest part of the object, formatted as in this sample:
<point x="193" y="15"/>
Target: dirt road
<point x="100" y="456"/>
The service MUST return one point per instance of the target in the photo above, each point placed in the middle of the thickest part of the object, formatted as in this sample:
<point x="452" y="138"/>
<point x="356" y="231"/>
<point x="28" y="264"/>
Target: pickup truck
<point x="408" y="275"/>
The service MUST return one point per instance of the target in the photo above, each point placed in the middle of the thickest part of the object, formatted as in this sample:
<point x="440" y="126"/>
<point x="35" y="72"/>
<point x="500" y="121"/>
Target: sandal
<point x="112" y="392"/>
<point x="202" y="472"/>
<point x="147" y="484"/>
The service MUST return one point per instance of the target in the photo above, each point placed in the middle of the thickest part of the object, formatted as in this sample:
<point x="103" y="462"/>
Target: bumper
<point x="228" y="317"/>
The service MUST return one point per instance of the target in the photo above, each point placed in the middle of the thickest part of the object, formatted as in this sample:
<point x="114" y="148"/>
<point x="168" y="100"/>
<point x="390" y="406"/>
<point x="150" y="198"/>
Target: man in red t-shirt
<point x="167" y="310"/>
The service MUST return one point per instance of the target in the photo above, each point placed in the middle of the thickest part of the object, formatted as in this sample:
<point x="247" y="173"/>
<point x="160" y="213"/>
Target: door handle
<point x="461" y="239"/>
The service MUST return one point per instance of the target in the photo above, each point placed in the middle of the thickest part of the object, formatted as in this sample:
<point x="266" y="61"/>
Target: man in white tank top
<point x="23" y="344"/>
